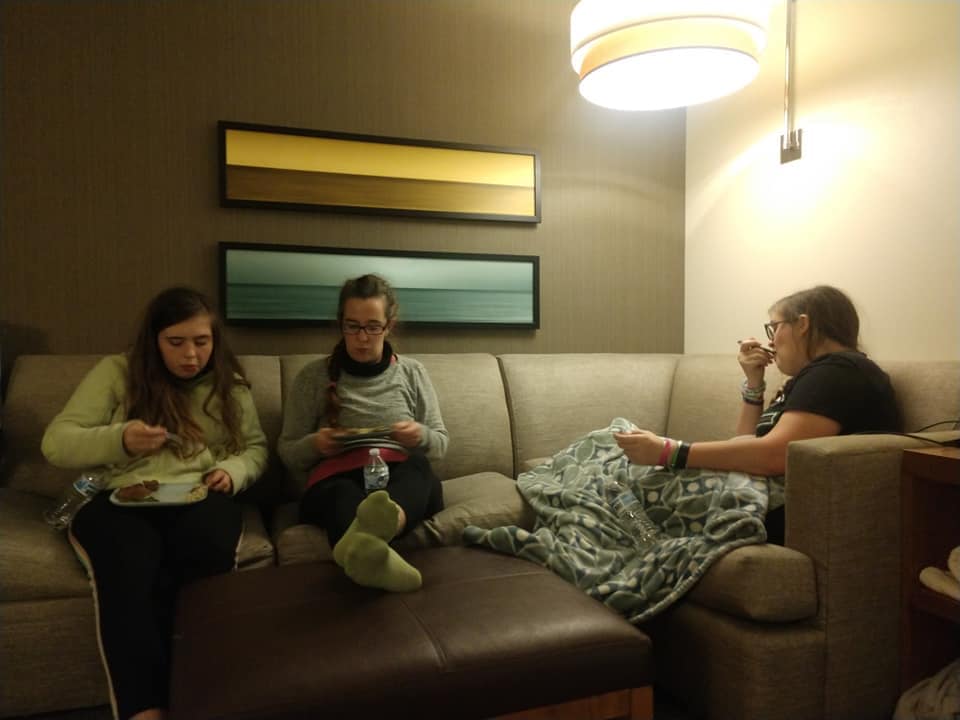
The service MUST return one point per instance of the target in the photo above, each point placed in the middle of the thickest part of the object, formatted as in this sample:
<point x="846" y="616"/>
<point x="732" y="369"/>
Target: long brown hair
<point x="831" y="314"/>
<point x="155" y="396"/>
<point x="363" y="288"/>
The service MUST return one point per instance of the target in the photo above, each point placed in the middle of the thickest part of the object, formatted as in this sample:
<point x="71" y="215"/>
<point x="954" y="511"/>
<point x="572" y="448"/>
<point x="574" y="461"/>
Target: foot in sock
<point x="370" y="562"/>
<point x="377" y="515"/>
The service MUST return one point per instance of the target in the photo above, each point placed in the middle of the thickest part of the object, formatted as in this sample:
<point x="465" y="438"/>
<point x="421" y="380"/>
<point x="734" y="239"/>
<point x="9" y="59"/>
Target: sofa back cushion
<point x="472" y="402"/>
<point x="556" y="398"/>
<point x="705" y="402"/>
<point x="927" y="392"/>
<point x="263" y="373"/>
<point x="40" y="386"/>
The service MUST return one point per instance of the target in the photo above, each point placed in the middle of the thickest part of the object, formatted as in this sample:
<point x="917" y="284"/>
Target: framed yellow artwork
<point x="298" y="169"/>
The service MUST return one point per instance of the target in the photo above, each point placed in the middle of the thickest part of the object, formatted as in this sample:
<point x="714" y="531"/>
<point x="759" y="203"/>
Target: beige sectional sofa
<point x="803" y="631"/>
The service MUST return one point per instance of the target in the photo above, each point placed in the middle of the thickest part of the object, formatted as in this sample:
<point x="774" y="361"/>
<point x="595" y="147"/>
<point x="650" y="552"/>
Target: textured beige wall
<point x="109" y="164"/>
<point x="872" y="206"/>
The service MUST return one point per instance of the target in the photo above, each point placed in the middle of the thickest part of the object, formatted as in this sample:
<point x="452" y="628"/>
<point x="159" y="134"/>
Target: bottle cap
<point x="375" y="452"/>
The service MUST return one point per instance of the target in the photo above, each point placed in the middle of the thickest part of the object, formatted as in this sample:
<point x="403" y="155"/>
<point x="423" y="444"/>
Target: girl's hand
<point x="142" y="439"/>
<point x="753" y="359"/>
<point x="641" y="447"/>
<point x="325" y="442"/>
<point x="219" y="481"/>
<point x="407" y="433"/>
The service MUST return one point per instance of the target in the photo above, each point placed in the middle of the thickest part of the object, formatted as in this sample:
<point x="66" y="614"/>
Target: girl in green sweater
<point x="175" y="411"/>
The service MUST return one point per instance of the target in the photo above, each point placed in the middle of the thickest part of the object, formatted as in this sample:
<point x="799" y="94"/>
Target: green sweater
<point x="88" y="433"/>
<point x="401" y="392"/>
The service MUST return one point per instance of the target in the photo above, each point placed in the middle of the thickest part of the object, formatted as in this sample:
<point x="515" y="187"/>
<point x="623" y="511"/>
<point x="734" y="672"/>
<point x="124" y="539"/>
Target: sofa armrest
<point x="843" y="511"/>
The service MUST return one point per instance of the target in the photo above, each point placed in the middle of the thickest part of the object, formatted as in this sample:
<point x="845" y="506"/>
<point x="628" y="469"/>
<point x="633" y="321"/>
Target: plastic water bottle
<point x="376" y="474"/>
<point x="78" y="494"/>
<point x="630" y="510"/>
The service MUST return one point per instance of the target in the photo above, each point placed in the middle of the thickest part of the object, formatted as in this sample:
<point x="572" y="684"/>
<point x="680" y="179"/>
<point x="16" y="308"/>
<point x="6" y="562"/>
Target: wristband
<point x="681" y="462"/>
<point x="673" y="455"/>
<point x="748" y="401"/>
<point x="665" y="453"/>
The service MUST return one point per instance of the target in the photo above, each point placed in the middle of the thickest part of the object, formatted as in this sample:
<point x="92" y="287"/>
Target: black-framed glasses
<point x="771" y="327"/>
<point x="352" y="328"/>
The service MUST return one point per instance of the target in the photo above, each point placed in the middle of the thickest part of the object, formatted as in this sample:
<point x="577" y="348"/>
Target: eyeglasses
<point x="771" y="327"/>
<point x="352" y="328"/>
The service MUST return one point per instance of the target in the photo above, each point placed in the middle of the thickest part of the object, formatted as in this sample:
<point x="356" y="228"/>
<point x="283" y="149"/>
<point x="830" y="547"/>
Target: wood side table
<point x="930" y="526"/>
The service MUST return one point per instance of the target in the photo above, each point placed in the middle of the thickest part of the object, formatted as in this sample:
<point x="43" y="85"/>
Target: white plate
<point x="165" y="495"/>
<point x="377" y="442"/>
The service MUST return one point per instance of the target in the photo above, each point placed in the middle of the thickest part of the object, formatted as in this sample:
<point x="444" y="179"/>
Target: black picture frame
<point x="269" y="166"/>
<point x="298" y="285"/>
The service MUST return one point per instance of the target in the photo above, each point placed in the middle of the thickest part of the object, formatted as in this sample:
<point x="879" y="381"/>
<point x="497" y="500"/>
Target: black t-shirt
<point x="844" y="386"/>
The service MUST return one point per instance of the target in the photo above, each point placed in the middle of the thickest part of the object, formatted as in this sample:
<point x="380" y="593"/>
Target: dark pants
<point x="776" y="522"/>
<point x="137" y="558"/>
<point x="332" y="503"/>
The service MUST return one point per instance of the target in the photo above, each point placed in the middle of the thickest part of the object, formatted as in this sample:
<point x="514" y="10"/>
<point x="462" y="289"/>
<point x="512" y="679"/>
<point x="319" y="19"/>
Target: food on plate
<point x="197" y="493"/>
<point x="138" y="492"/>
<point x="349" y="432"/>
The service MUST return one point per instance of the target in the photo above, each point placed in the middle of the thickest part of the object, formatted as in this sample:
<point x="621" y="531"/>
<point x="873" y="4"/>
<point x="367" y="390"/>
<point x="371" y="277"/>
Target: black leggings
<point x="136" y="559"/>
<point x="332" y="502"/>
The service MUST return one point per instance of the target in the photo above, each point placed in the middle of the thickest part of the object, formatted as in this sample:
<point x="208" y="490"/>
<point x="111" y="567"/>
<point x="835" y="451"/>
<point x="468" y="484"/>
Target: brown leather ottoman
<point x="487" y="635"/>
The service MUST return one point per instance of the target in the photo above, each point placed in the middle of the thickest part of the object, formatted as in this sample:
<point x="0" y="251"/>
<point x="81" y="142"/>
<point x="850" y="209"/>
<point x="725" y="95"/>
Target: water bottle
<point x="78" y="494"/>
<point x="630" y="510"/>
<point x="376" y="474"/>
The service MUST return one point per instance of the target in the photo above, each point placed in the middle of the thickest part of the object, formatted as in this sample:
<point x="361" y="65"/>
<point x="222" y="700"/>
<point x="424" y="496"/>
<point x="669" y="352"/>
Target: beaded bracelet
<point x="665" y="453"/>
<point x="753" y="396"/>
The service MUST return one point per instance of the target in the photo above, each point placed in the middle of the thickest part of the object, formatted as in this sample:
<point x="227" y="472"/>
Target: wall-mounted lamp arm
<point x="790" y="141"/>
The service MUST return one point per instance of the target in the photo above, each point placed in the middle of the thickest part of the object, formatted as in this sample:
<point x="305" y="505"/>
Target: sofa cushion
<point x="263" y="372"/>
<point x="256" y="549"/>
<point x="557" y="398"/>
<point x="40" y="386"/>
<point x="50" y="658"/>
<point x="36" y="561"/>
<point x="487" y="500"/>
<point x="765" y="583"/>
<point x="705" y="401"/>
<point x="298" y="542"/>
<point x="927" y="392"/>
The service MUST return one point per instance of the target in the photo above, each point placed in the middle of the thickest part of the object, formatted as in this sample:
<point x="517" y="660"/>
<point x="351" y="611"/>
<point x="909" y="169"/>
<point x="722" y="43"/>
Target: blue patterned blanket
<point x="702" y="514"/>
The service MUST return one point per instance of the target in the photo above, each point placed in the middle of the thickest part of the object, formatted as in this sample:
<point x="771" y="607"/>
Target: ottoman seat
<point x="487" y="635"/>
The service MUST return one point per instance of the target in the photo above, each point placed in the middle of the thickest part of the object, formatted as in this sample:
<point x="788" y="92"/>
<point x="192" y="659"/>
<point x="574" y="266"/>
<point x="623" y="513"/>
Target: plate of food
<point x="377" y="442"/>
<point x="151" y="493"/>
<point x="363" y="433"/>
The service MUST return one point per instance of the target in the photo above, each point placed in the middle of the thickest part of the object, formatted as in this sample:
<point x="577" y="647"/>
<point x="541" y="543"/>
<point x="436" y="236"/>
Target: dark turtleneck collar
<point x="351" y="366"/>
<point x="188" y="384"/>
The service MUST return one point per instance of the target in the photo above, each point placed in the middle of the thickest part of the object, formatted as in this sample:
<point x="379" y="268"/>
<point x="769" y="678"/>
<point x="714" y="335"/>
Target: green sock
<point x="340" y="549"/>
<point x="370" y="562"/>
<point x="377" y="515"/>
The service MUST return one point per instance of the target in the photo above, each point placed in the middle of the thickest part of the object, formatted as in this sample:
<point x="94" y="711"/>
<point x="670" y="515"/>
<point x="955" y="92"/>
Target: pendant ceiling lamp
<point x="659" y="54"/>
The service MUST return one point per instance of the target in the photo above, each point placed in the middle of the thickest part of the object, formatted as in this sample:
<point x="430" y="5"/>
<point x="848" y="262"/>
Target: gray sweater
<point x="401" y="392"/>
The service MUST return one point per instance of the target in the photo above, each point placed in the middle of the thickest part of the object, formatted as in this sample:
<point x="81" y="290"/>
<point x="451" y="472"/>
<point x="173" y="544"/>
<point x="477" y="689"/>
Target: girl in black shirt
<point x="834" y="389"/>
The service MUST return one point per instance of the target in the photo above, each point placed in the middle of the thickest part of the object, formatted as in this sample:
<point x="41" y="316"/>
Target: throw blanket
<point x="702" y="515"/>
